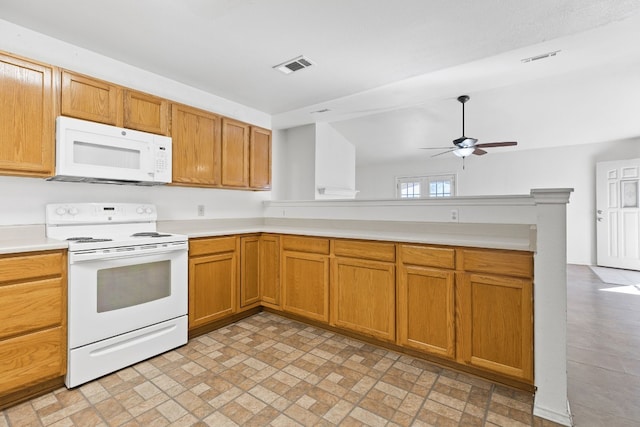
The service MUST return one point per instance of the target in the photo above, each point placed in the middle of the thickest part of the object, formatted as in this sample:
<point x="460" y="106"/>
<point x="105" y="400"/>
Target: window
<point x="416" y="187"/>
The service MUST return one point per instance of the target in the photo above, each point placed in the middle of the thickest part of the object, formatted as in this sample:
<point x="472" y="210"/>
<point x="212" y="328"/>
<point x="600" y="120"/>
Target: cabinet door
<point x="235" y="153"/>
<point x="363" y="297"/>
<point x="196" y="146"/>
<point x="270" y="270"/>
<point x="91" y="99"/>
<point x="212" y="288"/>
<point x="305" y="283"/>
<point x="496" y="324"/>
<point x="27" y="115"/>
<point x="146" y="112"/>
<point x="426" y="310"/>
<point x="260" y="159"/>
<point x="249" y="271"/>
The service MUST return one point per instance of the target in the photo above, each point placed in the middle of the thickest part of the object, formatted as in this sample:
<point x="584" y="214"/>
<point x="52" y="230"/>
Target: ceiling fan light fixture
<point x="464" y="152"/>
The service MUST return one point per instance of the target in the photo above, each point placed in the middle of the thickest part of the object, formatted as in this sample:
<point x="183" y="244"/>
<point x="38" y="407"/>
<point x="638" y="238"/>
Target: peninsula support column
<point x="550" y="305"/>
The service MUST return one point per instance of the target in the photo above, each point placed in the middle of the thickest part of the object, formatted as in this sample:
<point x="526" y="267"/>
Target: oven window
<point x="122" y="287"/>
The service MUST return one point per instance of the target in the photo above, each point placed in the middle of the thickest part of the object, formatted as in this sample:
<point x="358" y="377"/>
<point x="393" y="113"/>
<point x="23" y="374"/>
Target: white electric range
<point x="127" y="286"/>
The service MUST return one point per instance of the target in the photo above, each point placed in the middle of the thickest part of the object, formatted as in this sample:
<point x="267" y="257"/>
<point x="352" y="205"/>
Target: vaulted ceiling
<point x="388" y="72"/>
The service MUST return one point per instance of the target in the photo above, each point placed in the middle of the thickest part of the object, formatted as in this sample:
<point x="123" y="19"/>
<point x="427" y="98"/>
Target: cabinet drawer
<point x="365" y="250"/>
<point x="506" y="263"/>
<point x="211" y="246"/>
<point x="428" y="256"/>
<point x="316" y="245"/>
<point x="30" y="266"/>
<point x="30" y="306"/>
<point x="31" y="358"/>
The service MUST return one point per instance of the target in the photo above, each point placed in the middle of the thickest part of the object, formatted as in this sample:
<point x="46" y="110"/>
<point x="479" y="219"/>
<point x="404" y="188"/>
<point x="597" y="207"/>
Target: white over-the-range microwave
<point x="94" y="152"/>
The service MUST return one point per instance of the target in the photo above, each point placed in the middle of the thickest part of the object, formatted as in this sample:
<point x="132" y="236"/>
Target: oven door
<point x="116" y="293"/>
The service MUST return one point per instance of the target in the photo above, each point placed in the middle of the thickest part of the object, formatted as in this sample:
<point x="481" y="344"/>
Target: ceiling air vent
<point x="295" y="64"/>
<point x="539" y="57"/>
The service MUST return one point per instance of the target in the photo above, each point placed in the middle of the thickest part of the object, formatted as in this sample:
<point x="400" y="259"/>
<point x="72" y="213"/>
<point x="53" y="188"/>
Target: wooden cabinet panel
<point x="249" y="271"/>
<point x="318" y="245"/>
<point x="213" y="280"/>
<point x="27" y="118"/>
<point x="20" y="267"/>
<point x="305" y="284"/>
<point x="87" y="98"/>
<point x="364" y="249"/>
<point x="428" y="256"/>
<point x="507" y="263"/>
<point x="269" y="265"/>
<point x="260" y="159"/>
<point x="33" y="305"/>
<point x="32" y="358"/>
<point x="363" y="297"/>
<point x="235" y="153"/>
<point x="30" y="306"/>
<point x="211" y="245"/>
<point x="496" y="324"/>
<point x="146" y="112"/>
<point x="196" y="146"/>
<point x="426" y="310"/>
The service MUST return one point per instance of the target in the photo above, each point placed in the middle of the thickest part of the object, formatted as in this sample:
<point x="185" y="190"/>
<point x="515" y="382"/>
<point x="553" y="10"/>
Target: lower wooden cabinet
<point x="249" y="271"/>
<point x="213" y="279"/>
<point x="426" y="299"/>
<point x="33" y="336"/>
<point x="305" y="277"/>
<point x="269" y="271"/>
<point x="495" y="311"/>
<point x="363" y="288"/>
<point x="426" y="310"/>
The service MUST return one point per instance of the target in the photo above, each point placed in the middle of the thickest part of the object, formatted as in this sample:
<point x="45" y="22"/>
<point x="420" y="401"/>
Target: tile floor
<point x="268" y="370"/>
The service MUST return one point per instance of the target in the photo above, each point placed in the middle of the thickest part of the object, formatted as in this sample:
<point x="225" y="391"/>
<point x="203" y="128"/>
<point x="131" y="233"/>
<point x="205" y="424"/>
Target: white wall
<point x="335" y="161"/>
<point x="516" y="172"/>
<point x="22" y="200"/>
<point x="296" y="163"/>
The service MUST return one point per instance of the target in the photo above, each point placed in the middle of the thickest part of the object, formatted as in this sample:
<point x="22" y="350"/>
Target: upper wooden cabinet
<point x="235" y="153"/>
<point x="260" y="159"/>
<point x="27" y="117"/>
<point x="91" y="99"/>
<point x="146" y="112"/>
<point x="196" y="146"/>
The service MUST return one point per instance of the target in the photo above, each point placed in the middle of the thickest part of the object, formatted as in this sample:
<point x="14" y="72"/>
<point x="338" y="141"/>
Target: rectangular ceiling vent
<point x="295" y="64"/>
<point x="539" y="57"/>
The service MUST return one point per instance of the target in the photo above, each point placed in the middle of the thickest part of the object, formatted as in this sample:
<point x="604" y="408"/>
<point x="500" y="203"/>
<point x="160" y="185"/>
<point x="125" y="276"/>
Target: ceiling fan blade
<point x="437" y="148"/>
<point x="479" y="152"/>
<point x="497" y="144"/>
<point x="445" y="152"/>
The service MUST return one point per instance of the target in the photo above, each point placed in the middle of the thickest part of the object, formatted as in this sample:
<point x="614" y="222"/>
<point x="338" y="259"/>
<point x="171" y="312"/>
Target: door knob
<point x="599" y="211"/>
<point x="599" y="219"/>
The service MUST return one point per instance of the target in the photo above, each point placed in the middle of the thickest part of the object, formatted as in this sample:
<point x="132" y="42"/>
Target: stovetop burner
<point x="149" y="234"/>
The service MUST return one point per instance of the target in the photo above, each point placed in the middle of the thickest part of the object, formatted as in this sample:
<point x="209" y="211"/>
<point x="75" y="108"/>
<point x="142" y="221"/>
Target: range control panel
<point x="97" y="213"/>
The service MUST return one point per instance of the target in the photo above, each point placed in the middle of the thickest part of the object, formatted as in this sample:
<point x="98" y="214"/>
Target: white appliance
<point x="94" y="152"/>
<point x="127" y="286"/>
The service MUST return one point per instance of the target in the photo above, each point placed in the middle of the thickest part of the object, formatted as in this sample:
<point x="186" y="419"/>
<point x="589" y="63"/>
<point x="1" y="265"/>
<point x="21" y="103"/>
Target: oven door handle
<point x="99" y="255"/>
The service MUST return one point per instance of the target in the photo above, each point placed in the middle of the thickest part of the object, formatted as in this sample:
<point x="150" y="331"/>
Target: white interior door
<point x="618" y="214"/>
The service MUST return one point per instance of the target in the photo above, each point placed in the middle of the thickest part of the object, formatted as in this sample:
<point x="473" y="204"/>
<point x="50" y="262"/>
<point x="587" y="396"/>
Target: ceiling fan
<point x="465" y="146"/>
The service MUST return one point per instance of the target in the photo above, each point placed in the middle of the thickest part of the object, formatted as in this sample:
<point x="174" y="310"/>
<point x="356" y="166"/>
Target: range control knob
<point x="148" y="210"/>
<point x="73" y="211"/>
<point x="140" y="210"/>
<point x="61" y="210"/>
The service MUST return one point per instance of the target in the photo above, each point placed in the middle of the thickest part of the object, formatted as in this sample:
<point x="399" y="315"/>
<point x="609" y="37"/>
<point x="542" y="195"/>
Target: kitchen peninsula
<point x="507" y="250"/>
